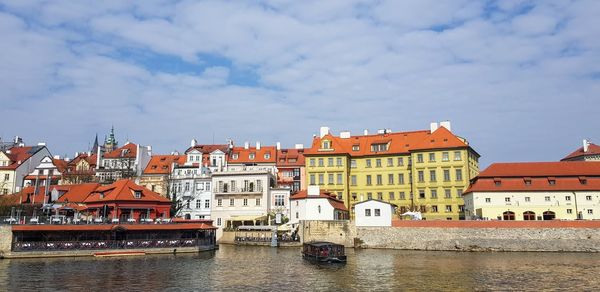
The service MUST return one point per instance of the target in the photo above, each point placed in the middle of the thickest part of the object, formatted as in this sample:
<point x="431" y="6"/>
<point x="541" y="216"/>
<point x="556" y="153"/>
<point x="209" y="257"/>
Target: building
<point x="156" y="176"/>
<point x="374" y="213"/>
<point x="17" y="162"/>
<point x="213" y="156"/>
<point x="48" y="172"/>
<point x="315" y="204"/>
<point x="126" y="201"/>
<point x="424" y="171"/>
<point x="535" y="191"/>
<point x="191" y="190"/>
<point x="81" y="169"/>
<point x="290" y="168"/>
<point x="127" y="161"/>
<point x="588" y="152"/>
<point x="257" y="158"/>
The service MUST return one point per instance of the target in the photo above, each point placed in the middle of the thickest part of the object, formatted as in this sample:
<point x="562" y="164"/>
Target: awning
<point x="246" y="218"/>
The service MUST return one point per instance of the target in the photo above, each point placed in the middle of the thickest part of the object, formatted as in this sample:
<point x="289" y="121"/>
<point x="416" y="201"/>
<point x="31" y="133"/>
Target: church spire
<point x="95" y="147"/>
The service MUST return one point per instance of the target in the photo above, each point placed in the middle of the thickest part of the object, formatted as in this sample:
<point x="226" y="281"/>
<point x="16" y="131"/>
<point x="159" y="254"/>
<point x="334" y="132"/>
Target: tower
<point x="111" y="143"/>
<point x="94" y="149"/>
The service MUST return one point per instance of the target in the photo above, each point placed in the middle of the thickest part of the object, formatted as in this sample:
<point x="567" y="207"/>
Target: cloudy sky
<point x="519" y="79"/>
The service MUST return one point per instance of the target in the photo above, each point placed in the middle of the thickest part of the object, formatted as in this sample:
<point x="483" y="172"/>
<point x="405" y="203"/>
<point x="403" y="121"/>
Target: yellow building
<point x="423" y="171"/>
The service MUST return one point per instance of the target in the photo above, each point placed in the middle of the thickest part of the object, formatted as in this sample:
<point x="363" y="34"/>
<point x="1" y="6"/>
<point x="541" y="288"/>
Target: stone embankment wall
<point x="576" y="236"/>
<point x="5" y="239"/>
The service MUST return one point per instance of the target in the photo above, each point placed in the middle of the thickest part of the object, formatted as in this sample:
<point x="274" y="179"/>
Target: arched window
<point x="326" y="144"/>
<point x="508" y="215"/>
<point x="549" y="215"/>
<point x="528" y="215"/>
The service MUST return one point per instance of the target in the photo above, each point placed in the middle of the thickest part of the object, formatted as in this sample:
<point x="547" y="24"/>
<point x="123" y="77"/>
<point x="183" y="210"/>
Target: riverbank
<point x="92" y="253"/>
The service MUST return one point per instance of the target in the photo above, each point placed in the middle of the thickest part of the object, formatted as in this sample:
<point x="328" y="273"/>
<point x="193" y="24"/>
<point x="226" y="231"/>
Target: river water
<point x="235" y="268"/>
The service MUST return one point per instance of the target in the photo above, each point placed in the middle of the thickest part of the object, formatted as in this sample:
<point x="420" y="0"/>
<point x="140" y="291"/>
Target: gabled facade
<point x="16" y="163"/>
<point x="424" y="170"/>
<point x="259" y="158"/>
<point x="315" y="204"/>
<point x="291" y="173"/>
<point x="48" y="172"/>
<point x="82" y="169"/>
<point x="374" y="213"/>
<point x="127" y="161"/>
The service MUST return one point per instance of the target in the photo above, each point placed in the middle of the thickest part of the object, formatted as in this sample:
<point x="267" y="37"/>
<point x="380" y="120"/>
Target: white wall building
<point x="374" y="213"/>
<point x="314" y="204"/>
<point x="190" y="185"/>
<point x="16" y="163"/>
<point x="127" y="161"/>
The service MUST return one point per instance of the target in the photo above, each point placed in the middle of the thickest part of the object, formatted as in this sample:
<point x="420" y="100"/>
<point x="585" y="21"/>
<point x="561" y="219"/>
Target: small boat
<point x="323" y="252"/>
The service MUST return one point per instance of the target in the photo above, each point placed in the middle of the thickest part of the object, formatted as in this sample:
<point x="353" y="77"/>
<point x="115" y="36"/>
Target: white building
<point x="16" y="163"/>
<point x="374" y="213"/>
<point x="314" y="204"/>
<point x="127" y="161"/>
<point x="535" y="191"/>
<point x="190" y="186"/>
<point x="48" y="172"/>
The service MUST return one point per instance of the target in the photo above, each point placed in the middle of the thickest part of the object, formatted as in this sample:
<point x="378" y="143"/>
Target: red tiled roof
<point x="335" y="203"/>
<point x="243" y="155"/>
<point x="123" y="190"/>
<point x="535" y="184"/>
<point x="208" y="148"/>
<point x="593" y="149"/>
<point x="60" y="164"/>
<point x="20" y="154"/>
<point x="162" y="164"/>
<point x="544" y="169"/>
<point x="77" y="193"/>
<point x="128" y="150"/>
<point x="400" y="142"/>
<point x="290" y="157"/>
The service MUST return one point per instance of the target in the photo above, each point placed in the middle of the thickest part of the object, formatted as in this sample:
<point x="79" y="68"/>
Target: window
<point x="588" y="198"/>
<point x="267" y="156"/>
<point x="421" y="194"/>
<point x="377" y="212"/>
<point x="434" y="209"/>
<point x="198" y="204"/>
<point x="507" y="199"/>
<point x="187" y="186"/>
<point x="137" y="194"/>
<point x="319" y="208"/>
<point x="338" y="161"/>
<point x="257" y="202"/>
<point x="402" y="196"/>
<point x="390" y="162"/>
<point x="569" y="211"/>
<point x="206" y="204"/>
<point x="355" y="147"/>
<point x="459" y="193"/>
<point x="431" y="157"/>
<point x="296" y="215"/>
<point x="330" y="178"/>
<point x="251" y="156"/>
<point x="200" y="186"/>
<point x="401" y="178"/>
<point x="378" y="162"/>
<point x="279" y="200"/>
<point x="339" y="179"/>
<point x="368" y="212"/>
<point x="457" y="156"/>
<point x="567" y="198"/>
<point x="390" y="179"/>
<point x="245" y="202"/>
<point x="528" y="215"/>
<point x="353" y="196"/>
<point x="379" y="180"/>
<point x="448" y="208"/>
<point x="527" y="182"/>
<point x="312" y="162"/>
<point x="378" y="147"/>
<point x="590" y="211"/>
<point x="368" y="162"/>
<point x="330" y="161"/>
<point x="321" y="162"/>
<point x="459" y="174"/>
<point x="218" y="221"/>
<point x="432" y="175"/>
<point x="326" y="144"/>
<point x="353" y="163"/>
<point x="447" y="193"/>
<point x="400" y="161"/>
<point x="547" y="198"/>
<point x="321" y="178"/>
<point x="369" y="196"/>
<point x="220" y="202"/>
<point x="392" y="197"/>
<point x="421" y="176"/>
<point x="552" y="182"/>
<point x="488" y="200"/>
<point x="369" y="180"/>
<point x="380" y="196"/>
<point x="445" y="156"/>
<point x="527" y="199"/>
<point x="312" y="179"/>
<point x="446" y="175"/>
<point x="339" y="196"/>
<point x="353" y="180"/>
<point x="419" y="158"/>
<point x="433" y="194"/>
<point x="7" y="176"/>
<point x="231" y="202"/>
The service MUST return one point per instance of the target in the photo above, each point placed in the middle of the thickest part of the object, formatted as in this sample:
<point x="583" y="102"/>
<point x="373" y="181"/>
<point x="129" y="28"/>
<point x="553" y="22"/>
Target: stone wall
<point x="5" y="239"/>
<point x="337" y="231"/>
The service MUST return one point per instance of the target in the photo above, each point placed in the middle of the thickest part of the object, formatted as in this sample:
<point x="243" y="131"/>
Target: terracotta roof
<point x="162" y="164"/>
<point x="124" y="190"/>
<point x="243" y="155"/>
<point x="331" y="198"/>
<point x="535" y="184"/>
<point x="61" y="165"/>
<point x="68" y="193"/>
<point x="400" y="142"/>
<point x="128" y="150"/>
<point x="20" y="154"/>
<point x="208" y="148"/>
<point x="593" y="149"/>
<point x="290" y="157"/>
<point x="544" y="169"/>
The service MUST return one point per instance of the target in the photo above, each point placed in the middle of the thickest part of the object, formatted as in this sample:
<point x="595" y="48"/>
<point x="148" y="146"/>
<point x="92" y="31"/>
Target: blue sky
<point x="518" y="79"/>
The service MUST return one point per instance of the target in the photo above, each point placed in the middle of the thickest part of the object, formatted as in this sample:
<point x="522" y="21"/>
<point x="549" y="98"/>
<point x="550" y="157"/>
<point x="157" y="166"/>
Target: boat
<point x="323" y="252"/>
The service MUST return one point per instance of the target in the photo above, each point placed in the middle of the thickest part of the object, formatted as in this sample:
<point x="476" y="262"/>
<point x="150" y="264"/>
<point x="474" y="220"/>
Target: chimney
<point x="388" y="131"/>
<point x="17" y="139"/>
<point x="257" y="145"/>
<point x="366" y="132"/>
<point x="246" y="145"/>
<point x="56" y="156"/>
<point x="323" y="131"/>
<point x="313" y="190"/>
<point x="41" y="144"/>
<point x="433" y="127"/>
<point x="278" y="144"/>
<point x="193" y="143"/>
<point x="446" y="124"/>
<point x="345" y="134"/>
<point x="381" y="131"/>
<point x="586" y="144"/>
<point x="67" y="159"/>
<point x="299" y="146"/>
<point x="76" y="154"/>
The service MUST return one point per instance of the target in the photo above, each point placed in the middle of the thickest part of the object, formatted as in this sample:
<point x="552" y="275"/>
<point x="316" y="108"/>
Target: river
<point x="234" y="268"/>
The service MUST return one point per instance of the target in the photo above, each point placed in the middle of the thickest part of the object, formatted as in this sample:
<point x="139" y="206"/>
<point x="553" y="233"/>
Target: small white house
<point x="314" y="204"/>
<point x="374" y="213"/>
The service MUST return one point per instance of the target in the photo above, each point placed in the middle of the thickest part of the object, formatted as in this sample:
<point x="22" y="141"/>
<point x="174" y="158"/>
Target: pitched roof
<point x="19" y="154"/>
<point x="162" y="164"/>
<point x="124" y="190"/>
<point x="208" y="148"/>
<point x="266" y="154"/>
<point x="331" y="198"/>
<point x="61" y="165"/>
<point x="593" y="149"/>
<point x="534" y="184"/>
<point x="544" y="169"/>
<point x="128" y="150"/>
<point x="290" y="157"/>
<point x="400" y="142"/>
<point x="68" y="193"/>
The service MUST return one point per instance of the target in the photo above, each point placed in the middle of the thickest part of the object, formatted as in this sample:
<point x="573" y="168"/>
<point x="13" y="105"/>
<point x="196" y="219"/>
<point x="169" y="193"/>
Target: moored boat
<point x="323" y="252"/>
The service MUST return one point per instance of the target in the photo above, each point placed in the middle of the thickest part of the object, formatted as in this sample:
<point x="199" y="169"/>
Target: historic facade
<point x="588" y="152"/>
<point x="17" y="162"/>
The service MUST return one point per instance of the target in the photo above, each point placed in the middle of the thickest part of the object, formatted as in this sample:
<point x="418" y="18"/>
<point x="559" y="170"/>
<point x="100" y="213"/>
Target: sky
<point x="520" y="80"/>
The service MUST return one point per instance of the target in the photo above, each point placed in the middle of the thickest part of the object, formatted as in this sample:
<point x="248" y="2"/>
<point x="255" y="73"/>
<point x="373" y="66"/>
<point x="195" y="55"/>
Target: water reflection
<point x="262" y="268"/>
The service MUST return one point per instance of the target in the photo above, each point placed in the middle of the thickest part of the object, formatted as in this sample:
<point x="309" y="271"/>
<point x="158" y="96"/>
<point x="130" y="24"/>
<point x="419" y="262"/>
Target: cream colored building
<point x="535" y="191"/>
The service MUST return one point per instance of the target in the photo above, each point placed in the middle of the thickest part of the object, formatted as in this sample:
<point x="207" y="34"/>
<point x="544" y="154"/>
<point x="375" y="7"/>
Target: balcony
<point x="230" y="191"/>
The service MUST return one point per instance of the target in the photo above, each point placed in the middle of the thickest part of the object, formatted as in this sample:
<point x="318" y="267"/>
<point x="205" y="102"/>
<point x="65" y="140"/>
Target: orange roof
<point x="266" y="154"/>
<point x="208" y="148"/>
<point x="400" y="142"/>
<point x="331" y="198"/>
<point x="593" y="149"/>
<point x="534" y="184"/>
<point x="124" y="190"/>
<point x="128" y="150"/>
<point x="161" y="164"/>
<point x="290" y="157"/>
<point x="77" y="193"/>
<point x="543" y="169"/>
<point x="19" y="154"/>
<point x="60" y="164"/>
<point x="90" y="159"/>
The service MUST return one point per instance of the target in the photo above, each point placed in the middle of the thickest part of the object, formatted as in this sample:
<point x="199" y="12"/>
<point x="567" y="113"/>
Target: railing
<point x="280" y="238"/>
<point x="237" y="190"/>
<point x="109" y="244"/>
<point x="68" y="220"/>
